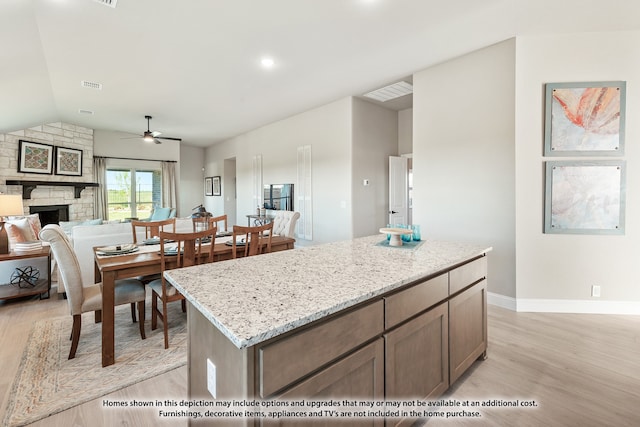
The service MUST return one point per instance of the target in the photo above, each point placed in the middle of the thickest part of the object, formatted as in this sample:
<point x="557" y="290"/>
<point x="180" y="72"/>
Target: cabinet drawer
<point x="401" y="306"/>
<point x="467" y="274"/>
<point x="291" y="358"/>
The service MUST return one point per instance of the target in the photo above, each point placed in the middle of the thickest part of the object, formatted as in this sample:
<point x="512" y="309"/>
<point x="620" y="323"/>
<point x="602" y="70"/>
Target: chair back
<point x="68" y="265"/>
<point x="204" y="223"/>
<point x="284" y="223"/>
<point x="190" y="248"/>
<point x="152" y="228"/>
<point x="255" y="240"/>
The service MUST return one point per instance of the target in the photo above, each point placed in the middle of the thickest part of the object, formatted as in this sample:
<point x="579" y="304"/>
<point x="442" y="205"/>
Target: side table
<point x="258" y="220"/>
<point x="42" y="286"/>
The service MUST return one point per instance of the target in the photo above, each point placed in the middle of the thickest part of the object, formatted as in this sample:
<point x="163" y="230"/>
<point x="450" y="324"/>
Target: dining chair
<point x="187" y="249"/>
<point x="203" y="223"/>
<point x="256" y="239"/>
<point x="284" y="223"/>
<point x="83" y="297"/>
<point x="152" y="228"/>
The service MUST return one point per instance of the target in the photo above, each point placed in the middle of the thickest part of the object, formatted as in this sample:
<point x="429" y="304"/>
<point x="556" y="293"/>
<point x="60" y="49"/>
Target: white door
<point x="398" y="190"/>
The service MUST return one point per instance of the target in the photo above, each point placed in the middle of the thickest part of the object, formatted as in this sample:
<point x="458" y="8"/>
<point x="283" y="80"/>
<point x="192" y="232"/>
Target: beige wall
<point x="405" y="131"/>
<point x="556" y="271"/>
<point x="463" y="155"/>
<point x="375" y="138"/>
<point x="191" y="188"/>
<point x="328" y="130"/>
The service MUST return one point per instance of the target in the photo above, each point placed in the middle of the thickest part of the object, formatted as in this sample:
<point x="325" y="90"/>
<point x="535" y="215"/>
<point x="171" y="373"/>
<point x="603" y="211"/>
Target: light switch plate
<point x="211" y="378"/>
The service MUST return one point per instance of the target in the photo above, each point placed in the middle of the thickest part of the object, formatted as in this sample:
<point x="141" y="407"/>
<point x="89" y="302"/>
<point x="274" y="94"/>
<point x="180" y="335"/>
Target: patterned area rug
<point x="47" y="382"/>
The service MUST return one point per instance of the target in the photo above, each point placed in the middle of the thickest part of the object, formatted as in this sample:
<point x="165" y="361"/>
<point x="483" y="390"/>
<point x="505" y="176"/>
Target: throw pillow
<point x="68" y="225"/>
<point x="19" y="230"/>
<point x="34" y="222"/>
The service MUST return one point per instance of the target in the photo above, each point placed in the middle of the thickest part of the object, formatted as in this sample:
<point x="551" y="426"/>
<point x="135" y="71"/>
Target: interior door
<point x="398" y="190"/>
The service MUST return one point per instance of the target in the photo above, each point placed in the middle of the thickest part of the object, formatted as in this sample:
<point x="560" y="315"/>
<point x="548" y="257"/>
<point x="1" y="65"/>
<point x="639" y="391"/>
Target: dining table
<point x="143" y="261"/>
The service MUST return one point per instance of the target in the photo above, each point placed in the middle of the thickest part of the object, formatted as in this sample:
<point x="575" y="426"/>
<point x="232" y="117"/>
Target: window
<point x="132" y="193"/>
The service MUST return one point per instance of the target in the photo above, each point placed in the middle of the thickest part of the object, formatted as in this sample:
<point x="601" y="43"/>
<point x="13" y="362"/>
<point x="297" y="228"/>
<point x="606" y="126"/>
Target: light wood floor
<point x="581" y="370"/>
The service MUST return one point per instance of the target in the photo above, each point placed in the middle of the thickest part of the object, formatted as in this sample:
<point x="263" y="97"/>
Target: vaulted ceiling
<point x="195" y="65"/>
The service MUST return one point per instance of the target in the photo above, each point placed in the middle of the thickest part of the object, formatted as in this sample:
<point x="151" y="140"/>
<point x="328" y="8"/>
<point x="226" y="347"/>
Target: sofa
<point x="85" y="237"/>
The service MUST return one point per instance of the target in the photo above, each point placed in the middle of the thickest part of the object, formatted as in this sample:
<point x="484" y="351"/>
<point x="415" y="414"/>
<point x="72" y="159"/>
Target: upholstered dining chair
<point x="84" y="297"/>
<point x="284" y="223"/>
<point x="203" y="223"/>
<point x="152" y="228"/>
<point x="187" y="249"/>
<point x="253" y="240"/>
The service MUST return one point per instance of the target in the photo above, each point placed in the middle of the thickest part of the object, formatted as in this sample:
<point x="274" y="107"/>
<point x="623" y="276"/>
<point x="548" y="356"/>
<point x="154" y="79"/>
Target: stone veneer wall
<point x="60" y="135"/>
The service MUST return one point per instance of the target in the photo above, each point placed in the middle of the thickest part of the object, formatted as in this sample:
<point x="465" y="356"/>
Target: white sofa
<point x="85" y="237"/>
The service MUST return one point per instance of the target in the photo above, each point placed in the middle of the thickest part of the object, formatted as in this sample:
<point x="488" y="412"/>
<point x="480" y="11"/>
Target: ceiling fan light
<point x="148" y="137"/>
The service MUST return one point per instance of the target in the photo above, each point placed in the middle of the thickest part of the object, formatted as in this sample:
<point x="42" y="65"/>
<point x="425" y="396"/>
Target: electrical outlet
<point x="211" y="378"/>
<point x="595" y="291"/>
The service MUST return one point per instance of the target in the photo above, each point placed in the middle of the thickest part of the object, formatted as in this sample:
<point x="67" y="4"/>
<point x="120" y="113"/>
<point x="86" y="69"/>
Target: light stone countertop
<point x="254" y="299"/>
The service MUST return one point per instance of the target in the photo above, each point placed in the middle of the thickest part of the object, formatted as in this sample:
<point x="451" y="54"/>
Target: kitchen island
<point x="351" y="319"/>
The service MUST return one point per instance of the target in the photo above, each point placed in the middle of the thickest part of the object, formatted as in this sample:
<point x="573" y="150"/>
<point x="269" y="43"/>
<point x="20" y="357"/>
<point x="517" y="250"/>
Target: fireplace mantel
<point x="29" y="186"/>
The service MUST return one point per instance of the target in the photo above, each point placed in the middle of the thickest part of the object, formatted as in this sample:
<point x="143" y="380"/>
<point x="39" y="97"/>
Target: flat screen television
<point x="278" y="197"/>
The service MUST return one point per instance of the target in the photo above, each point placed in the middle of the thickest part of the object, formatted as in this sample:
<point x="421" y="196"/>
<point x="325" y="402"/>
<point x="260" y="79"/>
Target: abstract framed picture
<point x="584" y="119"/>
<point x="583" y="197"/>
<point x="34" y="157"/>
<point x="208" y="186"/>
<point x="217" y="190"/>
<point x="68" y="161"/>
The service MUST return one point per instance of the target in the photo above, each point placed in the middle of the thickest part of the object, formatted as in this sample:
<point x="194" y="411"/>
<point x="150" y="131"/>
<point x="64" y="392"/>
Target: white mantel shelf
<point x="28" y="186"/>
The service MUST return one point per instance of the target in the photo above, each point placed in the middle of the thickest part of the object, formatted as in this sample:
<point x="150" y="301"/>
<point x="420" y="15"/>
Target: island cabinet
<point x="386" y="336"/>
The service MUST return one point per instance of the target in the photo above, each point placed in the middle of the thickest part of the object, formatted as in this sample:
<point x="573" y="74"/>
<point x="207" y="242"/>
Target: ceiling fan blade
<point x="156" y="133"/>
<point x="169" y="138"/>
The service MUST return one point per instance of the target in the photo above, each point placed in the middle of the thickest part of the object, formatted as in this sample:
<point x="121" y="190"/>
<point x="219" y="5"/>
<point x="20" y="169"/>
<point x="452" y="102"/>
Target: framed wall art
<point x="584" y="119"/>
<point x="208" y="186"/>
<point x="217" y="190"/>
<point x="68" y="161"/>
<point x="585" y="197"/>
<point x="34" y="157"/>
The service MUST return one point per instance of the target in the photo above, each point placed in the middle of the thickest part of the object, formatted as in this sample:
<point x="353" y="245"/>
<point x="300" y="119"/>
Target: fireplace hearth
<point x="51" y="214"/>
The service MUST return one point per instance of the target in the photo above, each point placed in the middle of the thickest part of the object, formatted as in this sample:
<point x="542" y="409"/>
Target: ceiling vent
<point x="91" y="85"/>
<point x="89" y="112"/>
<point x="110" y="3"/>
<point x="393" y="91"/>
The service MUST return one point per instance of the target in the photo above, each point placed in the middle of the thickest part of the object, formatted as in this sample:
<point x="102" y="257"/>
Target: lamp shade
<point x="11" y="204"/>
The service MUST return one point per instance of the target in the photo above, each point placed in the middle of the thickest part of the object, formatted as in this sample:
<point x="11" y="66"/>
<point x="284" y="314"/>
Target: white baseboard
<point x="564" y="305"/>
<point x="503" y="301"/>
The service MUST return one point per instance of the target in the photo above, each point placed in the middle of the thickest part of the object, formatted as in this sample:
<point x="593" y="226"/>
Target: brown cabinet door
<point x="417" y="364"/>
<point x="467" y="328"/>
<point x="357" y="376"/>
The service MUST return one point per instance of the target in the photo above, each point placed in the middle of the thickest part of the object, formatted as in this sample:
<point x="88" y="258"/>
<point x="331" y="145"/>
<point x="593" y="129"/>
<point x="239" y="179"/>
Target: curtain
<point x="100" y="208"/>
<point x="169" y="187"/>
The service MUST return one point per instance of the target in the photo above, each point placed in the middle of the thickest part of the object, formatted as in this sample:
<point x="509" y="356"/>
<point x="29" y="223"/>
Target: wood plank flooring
<point x="581" y="370"/>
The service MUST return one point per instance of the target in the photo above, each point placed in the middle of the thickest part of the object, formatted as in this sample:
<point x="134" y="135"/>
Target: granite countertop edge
<point x="243" y="340"/>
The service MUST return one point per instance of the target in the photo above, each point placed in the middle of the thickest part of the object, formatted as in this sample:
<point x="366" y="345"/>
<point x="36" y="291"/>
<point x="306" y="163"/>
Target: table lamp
<point x="10" y="204"/>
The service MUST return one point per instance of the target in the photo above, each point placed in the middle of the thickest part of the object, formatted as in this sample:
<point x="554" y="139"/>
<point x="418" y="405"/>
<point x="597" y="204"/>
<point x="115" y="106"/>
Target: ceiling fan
<point x="149" y="136"/>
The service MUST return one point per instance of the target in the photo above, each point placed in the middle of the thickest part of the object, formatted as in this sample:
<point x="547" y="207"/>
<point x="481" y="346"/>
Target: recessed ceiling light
<point x="267" y="62"/>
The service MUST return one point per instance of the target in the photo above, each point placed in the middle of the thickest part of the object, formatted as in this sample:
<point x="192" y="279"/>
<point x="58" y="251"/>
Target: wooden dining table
<point x="108" y="269"/>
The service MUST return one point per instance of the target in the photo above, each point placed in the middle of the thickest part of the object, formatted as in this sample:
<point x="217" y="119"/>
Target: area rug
<point x="47" y="382"/>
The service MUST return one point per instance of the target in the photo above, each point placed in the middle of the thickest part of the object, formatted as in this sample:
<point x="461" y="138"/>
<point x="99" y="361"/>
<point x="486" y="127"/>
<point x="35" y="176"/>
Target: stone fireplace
<point x="79" y="204"/>
<point x="51" y="214"/>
